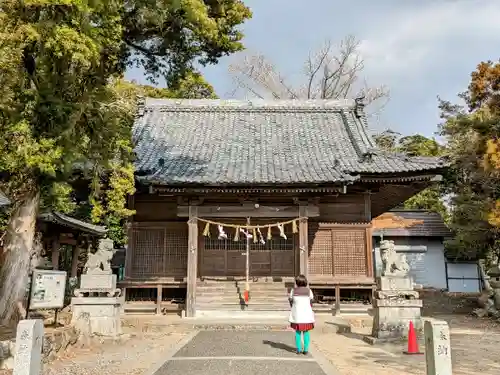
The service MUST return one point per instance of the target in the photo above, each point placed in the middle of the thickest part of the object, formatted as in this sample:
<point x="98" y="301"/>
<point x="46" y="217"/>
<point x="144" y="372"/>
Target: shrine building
<point x="249" y="194"/>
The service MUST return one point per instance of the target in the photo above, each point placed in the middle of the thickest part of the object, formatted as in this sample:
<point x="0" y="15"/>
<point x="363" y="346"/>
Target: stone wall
<point x="54" y="342"/>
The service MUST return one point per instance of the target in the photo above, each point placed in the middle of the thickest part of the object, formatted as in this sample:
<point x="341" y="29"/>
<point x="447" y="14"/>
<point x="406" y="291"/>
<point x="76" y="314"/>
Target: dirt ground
<point x="144" y="344"/>
<point x="474" y="342"/>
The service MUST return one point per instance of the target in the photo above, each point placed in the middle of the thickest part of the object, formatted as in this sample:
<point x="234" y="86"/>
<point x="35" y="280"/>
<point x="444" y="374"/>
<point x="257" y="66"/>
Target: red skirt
<point x="302" y="327"/>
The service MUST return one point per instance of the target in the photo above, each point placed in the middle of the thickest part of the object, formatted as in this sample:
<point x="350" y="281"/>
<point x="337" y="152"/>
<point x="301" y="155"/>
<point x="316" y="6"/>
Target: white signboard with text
<point x="47" y="289"/>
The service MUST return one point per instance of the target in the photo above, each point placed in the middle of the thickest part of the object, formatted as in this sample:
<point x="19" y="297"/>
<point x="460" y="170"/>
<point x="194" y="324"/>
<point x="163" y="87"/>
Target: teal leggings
<point x="298" y="340"/>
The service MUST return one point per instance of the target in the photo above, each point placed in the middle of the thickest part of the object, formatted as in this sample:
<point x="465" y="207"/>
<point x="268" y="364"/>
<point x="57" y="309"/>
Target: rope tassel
<point x="269" y="234"/>
<point x="206" y="231"/>
<point x="237" y="234"/>
<point x="294" y="227"/>
<point x="254" y="233"/>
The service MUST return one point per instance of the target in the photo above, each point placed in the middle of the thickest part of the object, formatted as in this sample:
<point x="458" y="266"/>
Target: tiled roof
<point x="67" y="221"/>
<point x="428" y="224"/>
<point x="4" y="201"/>
<point x="260" y="142"/>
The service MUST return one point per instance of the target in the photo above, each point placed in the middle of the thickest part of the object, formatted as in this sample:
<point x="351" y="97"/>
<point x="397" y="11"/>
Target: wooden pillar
<point x="368" y="206"/>
<point x="74" y="260"/>
<point x="159" y="298"/>
<point x="303" y="241"/>
<point x="129" y="249"/>
<point x="337" y="299"/>
<point x="55" y="253"/>
<point x="369" y="253"/>
<point x="192" y="262"/>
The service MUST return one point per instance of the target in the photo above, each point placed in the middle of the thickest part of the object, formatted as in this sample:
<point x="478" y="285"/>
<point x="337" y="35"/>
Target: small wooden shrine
<point x="293" y="184"/>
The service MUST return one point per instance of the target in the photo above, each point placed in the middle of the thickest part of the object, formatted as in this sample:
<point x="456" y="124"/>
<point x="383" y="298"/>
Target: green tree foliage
<point x="472" y="131"/>
<point x="416" y="145"/>
<point x="63" y="104"/>
<point x="387" y="140"/>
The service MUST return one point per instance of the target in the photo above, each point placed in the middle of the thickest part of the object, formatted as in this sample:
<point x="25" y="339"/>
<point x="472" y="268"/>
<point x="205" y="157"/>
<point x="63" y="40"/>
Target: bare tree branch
<point x="330" y="73"/>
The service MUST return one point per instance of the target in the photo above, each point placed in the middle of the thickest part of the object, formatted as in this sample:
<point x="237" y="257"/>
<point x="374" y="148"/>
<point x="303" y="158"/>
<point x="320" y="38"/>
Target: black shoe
<point x="298" y="352"/>
<point x="305" y="353"/>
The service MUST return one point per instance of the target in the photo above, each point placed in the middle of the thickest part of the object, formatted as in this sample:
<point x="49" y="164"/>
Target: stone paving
<point x="243" y="353"/>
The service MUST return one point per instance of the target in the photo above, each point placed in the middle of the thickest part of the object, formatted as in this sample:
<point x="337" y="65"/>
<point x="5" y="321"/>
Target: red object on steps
<point x="246" y="296"/>
<point x="412" y="341"/>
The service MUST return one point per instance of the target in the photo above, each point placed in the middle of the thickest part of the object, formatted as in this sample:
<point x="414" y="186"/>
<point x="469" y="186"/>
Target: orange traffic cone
<point x="412" y="341"/>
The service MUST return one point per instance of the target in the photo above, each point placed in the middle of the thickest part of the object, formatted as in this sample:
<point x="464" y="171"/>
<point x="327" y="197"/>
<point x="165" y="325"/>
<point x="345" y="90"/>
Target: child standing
<point x="302" y="315"/>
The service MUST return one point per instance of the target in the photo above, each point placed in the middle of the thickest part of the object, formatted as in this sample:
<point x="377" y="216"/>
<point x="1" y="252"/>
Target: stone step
<point x="322" y="308"/>
<point x="236" y="295"/>
<point x="354" y="309"/>
<point x="237" y="306"/>
<point x="240" y="288"/>
<point x="237" y="298"/>
<point x="225" y="297"/>
<point x="230" y="315"/>
<point x="139" y="308"/>
<point x="241" y="283"/>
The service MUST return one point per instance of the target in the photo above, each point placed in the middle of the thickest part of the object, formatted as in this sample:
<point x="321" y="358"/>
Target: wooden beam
<point x="254" y="211"/>
<point x="303" y="242"/>
<point x="192" y="262"/>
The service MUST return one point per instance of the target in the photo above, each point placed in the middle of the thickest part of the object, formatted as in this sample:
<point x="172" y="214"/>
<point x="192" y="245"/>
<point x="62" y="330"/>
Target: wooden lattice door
<point x="340" y="250"/>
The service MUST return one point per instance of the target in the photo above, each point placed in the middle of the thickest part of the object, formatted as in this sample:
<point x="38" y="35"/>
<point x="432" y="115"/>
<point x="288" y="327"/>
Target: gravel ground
<point x="474" y="344"/>
<point x="147" y="345"/>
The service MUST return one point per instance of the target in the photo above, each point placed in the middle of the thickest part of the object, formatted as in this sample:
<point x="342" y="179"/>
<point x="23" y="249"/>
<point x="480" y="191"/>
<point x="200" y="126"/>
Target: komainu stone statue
<point x="393" y="264"/>
<point x="489" y="301"/>
<point x="100" y="261"/>
<point x="98" y="278"/>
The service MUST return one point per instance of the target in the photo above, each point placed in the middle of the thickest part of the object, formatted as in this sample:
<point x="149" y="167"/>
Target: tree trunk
<point x="18" y="247"/>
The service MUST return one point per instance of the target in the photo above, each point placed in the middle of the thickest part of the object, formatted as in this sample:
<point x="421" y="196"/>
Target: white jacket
<point x="302" y="311"/>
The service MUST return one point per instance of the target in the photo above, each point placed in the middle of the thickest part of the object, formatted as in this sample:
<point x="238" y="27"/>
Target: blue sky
<point x="417" y="48"/>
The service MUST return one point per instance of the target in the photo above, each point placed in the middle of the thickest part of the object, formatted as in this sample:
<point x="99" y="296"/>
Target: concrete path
<point x="241" y="353"/>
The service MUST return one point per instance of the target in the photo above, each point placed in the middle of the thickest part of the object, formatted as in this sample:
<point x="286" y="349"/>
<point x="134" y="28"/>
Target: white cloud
<point x="414" y="37"/>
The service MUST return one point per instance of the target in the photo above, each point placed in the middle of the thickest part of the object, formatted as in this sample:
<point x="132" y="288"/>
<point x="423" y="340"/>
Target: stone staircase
<point x="218" y="299"/>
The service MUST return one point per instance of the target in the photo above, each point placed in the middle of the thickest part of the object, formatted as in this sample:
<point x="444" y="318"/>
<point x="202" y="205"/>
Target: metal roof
<point x="228" y="142"/>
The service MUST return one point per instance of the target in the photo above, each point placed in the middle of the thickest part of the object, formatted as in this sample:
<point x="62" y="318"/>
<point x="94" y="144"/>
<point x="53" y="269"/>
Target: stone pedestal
<point x="394" y="306"/>
<point x="96" y="306"/>
<point x="98" y="282"/>
<point x="101" y="314"/>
